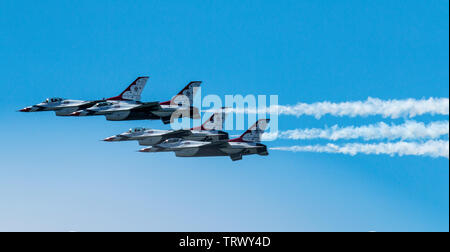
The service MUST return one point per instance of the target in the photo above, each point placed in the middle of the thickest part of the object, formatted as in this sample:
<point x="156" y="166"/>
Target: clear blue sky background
<point x="55" y="174"/>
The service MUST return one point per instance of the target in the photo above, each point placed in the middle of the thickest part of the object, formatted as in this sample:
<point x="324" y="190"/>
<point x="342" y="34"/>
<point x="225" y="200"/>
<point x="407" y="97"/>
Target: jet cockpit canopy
<point x="103" y="104"/>
<point x="54" y="99"/>
<point x="173" y="140"/>
<point x="136" y="130"/>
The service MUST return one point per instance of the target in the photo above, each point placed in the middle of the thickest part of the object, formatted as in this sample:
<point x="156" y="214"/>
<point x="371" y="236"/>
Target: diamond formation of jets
<point x="206" y="140"/>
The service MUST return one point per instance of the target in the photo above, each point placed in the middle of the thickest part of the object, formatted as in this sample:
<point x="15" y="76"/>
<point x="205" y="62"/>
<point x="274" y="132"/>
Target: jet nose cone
<point x="145" y="150"/>
<point x="110" y="139"/>
<point x="27" y="109"/>
<point x="75" y="114"/>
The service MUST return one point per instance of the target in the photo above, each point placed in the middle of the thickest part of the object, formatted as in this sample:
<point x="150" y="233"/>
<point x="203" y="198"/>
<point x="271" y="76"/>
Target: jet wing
<point x="149" y="106"/>
<point x="191" y="145"/>
<point x="80" y="104"/>
<point x="176" y="134"/>
<point x="220" y="143"/>
<point x="139" y="107"/>
<point x="196" y="145"/>
<point x="216" y="144"/>
<point x="88" y="104"/>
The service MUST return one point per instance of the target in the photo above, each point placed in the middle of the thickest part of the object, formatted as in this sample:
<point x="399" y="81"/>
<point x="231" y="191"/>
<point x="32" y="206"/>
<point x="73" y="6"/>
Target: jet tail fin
<point x="215" y="122"/>
<point x="254" y="133"/>
<point x="188" y="92"/>
<point x="132" y="92"/>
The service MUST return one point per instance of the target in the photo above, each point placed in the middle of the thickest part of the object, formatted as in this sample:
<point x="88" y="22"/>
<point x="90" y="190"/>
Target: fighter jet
<point x="120" y="110"/>
<point x="247" y="144"/>
<point x="65" y="107"/>
<point x="210" y="130"/>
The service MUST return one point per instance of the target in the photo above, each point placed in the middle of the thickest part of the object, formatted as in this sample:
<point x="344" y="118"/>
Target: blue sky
<point x="57" y="176"/>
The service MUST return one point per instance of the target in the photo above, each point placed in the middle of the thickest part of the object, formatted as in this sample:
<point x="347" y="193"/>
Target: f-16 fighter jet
<point x="210" y="130"/>
<point x="247" y="144"/>
<point x="120" y="110"/>
<point x="65" y="107"/>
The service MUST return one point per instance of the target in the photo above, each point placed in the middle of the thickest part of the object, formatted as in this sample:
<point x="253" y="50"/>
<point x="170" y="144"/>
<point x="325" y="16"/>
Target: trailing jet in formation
<point x="65" y="107"/>
<point x="121" y="110"/>
<point x="210" y="130"/>
<point x="247" y="144"/>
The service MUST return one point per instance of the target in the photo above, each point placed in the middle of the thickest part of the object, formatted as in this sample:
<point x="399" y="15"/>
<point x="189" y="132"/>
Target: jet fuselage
<point x="150" y="137"/>
<point x="62" y="107"/>
<point x="187" y="148"/>
<point x="133" y="110"/>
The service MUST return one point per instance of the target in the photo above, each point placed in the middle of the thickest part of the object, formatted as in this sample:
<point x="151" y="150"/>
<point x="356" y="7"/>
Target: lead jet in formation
<point x="65" y="107"/>
<point x="120" y="110"/>
<point x="247" y="144"/>
<point x="210" y="130"/>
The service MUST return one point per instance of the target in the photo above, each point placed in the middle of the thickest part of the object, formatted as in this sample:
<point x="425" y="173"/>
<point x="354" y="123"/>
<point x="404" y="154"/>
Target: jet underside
<point x="226" y="151"/>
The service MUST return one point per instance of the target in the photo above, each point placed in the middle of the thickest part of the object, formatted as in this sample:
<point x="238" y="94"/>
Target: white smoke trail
<point x="432" y="148"/>
<point x="407" y="131"/>
<point x="372" y="106"/>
